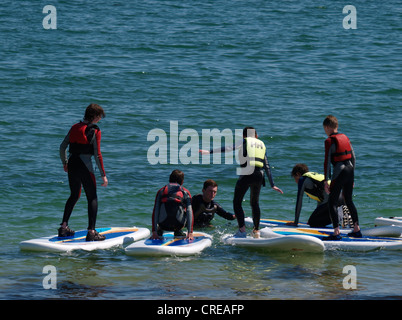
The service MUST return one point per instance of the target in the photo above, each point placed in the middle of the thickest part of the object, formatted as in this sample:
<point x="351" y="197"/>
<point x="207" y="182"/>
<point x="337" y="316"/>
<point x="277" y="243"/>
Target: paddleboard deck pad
<point x="274" y="242"/>
<point x="385" y="230"/>
<point x="170" y="245"/>
<point x="115" y="236"/>
<point x="346" y="243"/>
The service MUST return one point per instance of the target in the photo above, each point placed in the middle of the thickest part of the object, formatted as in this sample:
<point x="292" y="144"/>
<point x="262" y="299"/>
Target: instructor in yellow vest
<point x="253" y="163"/>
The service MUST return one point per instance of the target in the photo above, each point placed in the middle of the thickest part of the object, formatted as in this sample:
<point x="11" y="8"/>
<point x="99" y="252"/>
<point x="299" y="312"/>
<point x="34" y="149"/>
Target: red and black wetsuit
<point x="84" y="140"/>
<point x="339" y="152"/>
<point x="172" y="209"/>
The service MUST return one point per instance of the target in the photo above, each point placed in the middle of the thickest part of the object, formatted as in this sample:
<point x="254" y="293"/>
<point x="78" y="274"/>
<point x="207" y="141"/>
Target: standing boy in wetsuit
<point x="172" y="209"/>
<point x="253" y="163"/>
<point x="84" y="140"/>
<point x="339" y="152"/>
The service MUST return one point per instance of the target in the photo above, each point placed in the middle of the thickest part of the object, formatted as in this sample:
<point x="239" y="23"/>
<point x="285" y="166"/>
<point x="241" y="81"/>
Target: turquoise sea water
<point x="281" y="67"/>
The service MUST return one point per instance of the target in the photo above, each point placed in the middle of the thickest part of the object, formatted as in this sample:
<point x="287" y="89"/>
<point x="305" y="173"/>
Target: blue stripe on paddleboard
<point x="171" y="242"/>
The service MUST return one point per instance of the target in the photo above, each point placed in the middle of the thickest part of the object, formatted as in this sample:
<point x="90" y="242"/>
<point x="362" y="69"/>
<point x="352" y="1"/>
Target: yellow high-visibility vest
<point x="317" y="177"/>
<point x="255" y="152"/>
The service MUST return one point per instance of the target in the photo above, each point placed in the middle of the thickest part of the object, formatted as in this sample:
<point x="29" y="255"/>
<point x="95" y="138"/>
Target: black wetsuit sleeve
<point x="267" y="170"/>
<point x="189" y="211"/>
<point x="227" y="149"/>
<point x="299" y="201"/>
<point x="223" y="213"/>
<point x="353" y="157"/>
<point x="63" y="149"/>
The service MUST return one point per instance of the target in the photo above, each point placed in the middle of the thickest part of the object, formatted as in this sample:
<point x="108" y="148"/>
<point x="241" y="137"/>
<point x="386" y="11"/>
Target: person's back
<point x="172" y="209"/>
<point x="253" y="163"/>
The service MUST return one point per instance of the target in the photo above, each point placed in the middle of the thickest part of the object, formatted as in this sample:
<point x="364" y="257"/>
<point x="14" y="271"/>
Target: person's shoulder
<point x="161" y="189"/>
<point x="77" y="124"/>
<point x="303" y="180"/>
<point x="215" y="204"/>
<point x="187" y="191"/>
<point x="197" y="197"/>
<point x="93" y="126"/>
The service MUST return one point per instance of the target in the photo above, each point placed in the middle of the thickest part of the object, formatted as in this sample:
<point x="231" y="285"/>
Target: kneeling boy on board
<point x="172" y="209"/>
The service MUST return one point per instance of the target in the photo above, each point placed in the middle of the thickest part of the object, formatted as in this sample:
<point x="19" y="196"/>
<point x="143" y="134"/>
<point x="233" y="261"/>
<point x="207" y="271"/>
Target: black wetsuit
<point x="252" y="181"/>
<point x="342" y="180"/>
<point x="204" y="212"/>
<point x="172" y="215"/>
<point x="320" y="217"/>
<point x="84" y="141"/>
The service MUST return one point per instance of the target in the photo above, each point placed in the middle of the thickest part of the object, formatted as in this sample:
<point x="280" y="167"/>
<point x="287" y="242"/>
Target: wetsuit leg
<point x="89" y="184"/>
<point x="255" y="189"/>
<point x="78" y="176"/>
<point x="348" y="194"/>
<point x="336" y="188"/>
<point x="241" y="188"/>
<point x="253" y="181"/>
<point x="75" y="189"/>
<point x="320" y="217"/>
<point x="344" y="182"/>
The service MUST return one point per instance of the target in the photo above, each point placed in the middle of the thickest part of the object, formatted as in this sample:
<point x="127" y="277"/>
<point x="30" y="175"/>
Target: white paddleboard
<point x="115" y="236"/>
<point x="170" y="246"/>
<point x="270" y="241"/>
<point x="383" y="230"/>
<point x="366" y="243"/>
<point x="391" y="221"/>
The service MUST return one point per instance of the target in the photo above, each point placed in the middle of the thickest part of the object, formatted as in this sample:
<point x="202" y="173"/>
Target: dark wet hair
<point x="92" y="111"/>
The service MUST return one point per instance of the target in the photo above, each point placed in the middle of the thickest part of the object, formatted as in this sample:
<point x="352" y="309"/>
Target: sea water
<point x="278" y="66"/>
